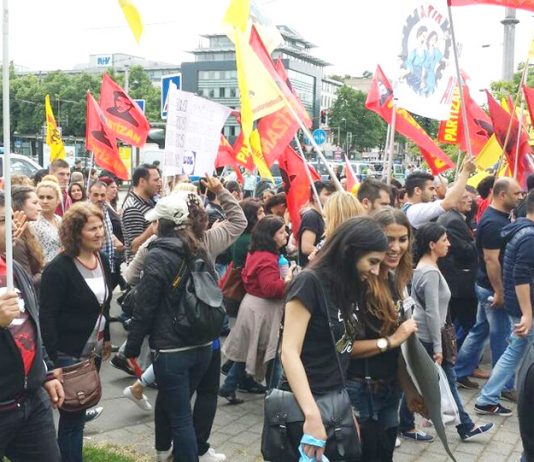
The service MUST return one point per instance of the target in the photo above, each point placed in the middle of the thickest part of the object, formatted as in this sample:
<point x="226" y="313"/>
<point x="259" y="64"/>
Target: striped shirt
<point x="133" y="220"/>
<point x="108" y="247"/>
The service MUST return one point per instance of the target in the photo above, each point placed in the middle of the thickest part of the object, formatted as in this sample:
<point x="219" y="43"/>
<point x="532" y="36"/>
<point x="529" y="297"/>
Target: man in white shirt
<point x="421" y="206"/>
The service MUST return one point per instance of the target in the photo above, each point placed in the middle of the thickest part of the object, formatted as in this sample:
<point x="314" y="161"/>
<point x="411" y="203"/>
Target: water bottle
<point x="283" y="264"/>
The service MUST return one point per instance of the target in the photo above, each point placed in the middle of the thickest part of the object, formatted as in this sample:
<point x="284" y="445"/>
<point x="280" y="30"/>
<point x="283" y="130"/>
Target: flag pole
<point x="391" y="147"/>
<point x="91" y="161"/>
<point x="520" y="124"/>
<point x="308" y="174"/>
<point x="386" y="145"/>
<point x="7" y="147"/>
<point x="460" y="84"/>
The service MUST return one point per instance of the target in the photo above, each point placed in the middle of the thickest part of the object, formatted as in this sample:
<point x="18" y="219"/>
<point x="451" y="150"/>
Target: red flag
<point x="243" y="154"/>
<point x="450" y="130"/>
<point x="100" y="140"/>
<point x="296" y="184"/>
<point x="501" y="121"/>
<point x="226" y="154"/>
<point x="125" y="118"/>
<point x="278" y="129"/>
<point x="522" y="4"/>
<point x="380" y="100"/>
<point x="529" y="98"/>
<point x="479" y="123"/>
<point x="349" y="174"/>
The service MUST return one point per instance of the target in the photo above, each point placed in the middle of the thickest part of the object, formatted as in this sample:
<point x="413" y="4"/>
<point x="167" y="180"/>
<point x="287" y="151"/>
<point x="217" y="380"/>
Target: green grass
<point x="109" y="453"/>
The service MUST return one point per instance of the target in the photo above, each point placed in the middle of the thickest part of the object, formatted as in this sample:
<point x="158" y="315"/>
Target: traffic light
<point x="323" y="116"/>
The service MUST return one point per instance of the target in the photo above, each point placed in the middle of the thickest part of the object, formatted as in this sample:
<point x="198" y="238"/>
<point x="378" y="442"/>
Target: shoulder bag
<point x="449" y="345"/>
<point x="283" y="418"/>
<point x="232" y="288"/>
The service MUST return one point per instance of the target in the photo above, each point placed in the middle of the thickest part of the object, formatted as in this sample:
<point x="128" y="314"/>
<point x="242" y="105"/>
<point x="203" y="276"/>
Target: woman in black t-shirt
<point x="377" y="371"/>
<point x="349" y="257"/>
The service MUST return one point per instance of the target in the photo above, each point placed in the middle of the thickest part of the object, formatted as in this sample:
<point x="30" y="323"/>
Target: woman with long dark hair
<point x="27" y="250"/>
<point x="351" y="254"/>
<point x="431" y="294"/>
<point x="252" y="341"/>
<point x="77" y="192"/>
<point x="377" y="371"/>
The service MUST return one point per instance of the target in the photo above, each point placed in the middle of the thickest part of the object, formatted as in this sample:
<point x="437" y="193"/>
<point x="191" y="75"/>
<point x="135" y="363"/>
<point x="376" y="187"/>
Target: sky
<point x="353" y="35"/>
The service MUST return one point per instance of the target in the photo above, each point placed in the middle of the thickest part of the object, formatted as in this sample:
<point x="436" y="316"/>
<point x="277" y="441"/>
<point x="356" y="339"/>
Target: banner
<point x="193" y="133"/>
<point x="101" y="141"/>
<point x="125" y="118"/>
<point x="521" y="4"/>
<point x="426" y="78"/>
<point x="380" y="100"/>
<point x="53" y="137"/>
<point x="451" y="130"/>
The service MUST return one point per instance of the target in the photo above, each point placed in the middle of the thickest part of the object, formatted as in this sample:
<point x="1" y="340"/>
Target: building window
<point x="233" y="92"/>
<point x="211" y="93"/>
<point x="221" y="92"/>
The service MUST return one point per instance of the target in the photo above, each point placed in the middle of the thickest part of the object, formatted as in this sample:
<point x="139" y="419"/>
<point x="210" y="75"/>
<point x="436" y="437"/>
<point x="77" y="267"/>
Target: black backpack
<point x="199" y="315"/>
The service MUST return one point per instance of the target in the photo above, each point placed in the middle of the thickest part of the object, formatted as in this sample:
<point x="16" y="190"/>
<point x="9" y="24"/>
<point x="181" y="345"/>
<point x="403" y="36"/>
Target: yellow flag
<point x="531" y="50"/>
<point x="133" y="18"/>
<point x="53" y="138"/>
<point x="489" y="155"/>
<point x="257" y="156"/>
<point x="477" y="178"/>
<point x="237" y="14"/>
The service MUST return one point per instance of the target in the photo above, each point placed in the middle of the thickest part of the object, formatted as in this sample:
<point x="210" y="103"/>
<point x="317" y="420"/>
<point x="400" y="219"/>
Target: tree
<point x="350" y="115"/>
<point x="502" y="89"/>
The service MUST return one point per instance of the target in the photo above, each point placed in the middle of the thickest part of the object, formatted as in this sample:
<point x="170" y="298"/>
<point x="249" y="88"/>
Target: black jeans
<point x="27" y="433"/>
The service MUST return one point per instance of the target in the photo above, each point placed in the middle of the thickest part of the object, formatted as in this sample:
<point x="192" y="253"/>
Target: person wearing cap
<point x="212" y="242"/>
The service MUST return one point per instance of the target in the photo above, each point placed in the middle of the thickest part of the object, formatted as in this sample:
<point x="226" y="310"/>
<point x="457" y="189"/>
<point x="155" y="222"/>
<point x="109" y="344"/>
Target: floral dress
<point x="48" y="236"/>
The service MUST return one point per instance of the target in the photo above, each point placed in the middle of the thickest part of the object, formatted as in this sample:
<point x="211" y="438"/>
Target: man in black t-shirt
<point x="312" y="224"/>
<point x="491" y="316"/>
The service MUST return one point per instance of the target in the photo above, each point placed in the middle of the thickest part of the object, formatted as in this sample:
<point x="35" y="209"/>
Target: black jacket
<point x="69" y="308"/>
<point x="155" y="299"/>
<point x="13" y="381"/>
<point x="460" y="266"/>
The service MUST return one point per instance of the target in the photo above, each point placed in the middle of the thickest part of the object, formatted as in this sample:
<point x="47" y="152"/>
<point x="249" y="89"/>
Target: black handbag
<point x="283" y="418"/>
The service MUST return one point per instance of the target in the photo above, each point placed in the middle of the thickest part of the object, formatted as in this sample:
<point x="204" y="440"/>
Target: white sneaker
<point x="397" y="442"/>
<point x="164" y="456"/>
<point x="212" y="456"/>
<point x="142" y="403"/>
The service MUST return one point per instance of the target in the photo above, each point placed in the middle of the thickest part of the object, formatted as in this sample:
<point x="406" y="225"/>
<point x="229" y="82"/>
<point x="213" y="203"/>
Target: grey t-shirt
<point x="431" y="294"/>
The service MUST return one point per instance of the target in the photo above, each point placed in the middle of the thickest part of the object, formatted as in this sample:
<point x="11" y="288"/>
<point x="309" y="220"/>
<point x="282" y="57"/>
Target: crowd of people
<point x="368" y="269"/>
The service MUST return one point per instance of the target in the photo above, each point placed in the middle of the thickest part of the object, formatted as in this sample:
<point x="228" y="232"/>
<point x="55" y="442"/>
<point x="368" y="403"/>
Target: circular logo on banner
<point x="189" y="160"/>
<point x="426" y="49"/>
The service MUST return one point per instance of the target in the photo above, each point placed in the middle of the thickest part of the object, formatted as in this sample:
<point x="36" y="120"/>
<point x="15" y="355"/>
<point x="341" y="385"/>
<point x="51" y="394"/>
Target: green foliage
<point x="368" y="129"/>
<point x="110" y="453"/>
<point x="68" y="98"/>
<point x="502" y="88"/>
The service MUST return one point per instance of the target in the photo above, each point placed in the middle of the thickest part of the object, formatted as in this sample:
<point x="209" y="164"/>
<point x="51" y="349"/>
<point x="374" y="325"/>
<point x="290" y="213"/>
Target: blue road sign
<point x="141" y="103"/>
<point x="165" y="84"/>
<point x="319" y="136"/>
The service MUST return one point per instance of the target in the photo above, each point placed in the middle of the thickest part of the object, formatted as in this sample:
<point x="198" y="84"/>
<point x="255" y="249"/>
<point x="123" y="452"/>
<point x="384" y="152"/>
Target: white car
<point x="20" y="165"/>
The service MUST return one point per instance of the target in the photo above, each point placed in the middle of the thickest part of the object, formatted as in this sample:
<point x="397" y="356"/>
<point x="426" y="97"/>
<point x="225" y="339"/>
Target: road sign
<point x="319" y="136"/>
<point x="165" y="83"/>
<point x="141" y="103"/>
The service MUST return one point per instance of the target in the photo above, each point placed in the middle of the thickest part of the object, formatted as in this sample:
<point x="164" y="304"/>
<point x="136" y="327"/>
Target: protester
<point x="74" y="308"/>
<point x="20" y="180"/>
<point x="112" y="191"/>
<point x="459" y="268"/>
<point x="340" y="207"/>
<point x="77" y="177"/>
<point x="46" y="227"/>
<point x="61" y="170"/>
<point x="27" y="250"/>
<point x="77" y="193"/>
<point x="276" y="205"/>
<point x="250" y="180"/>
<point x="26" y="422"/>
<point x="146" y="183"/>
<point x="77" y="166"/>
<point x="215" y="241"/>
<point x="441" y="183"/>
<point x="525" y="403"/>
<point x="432" y="295"/>
<point x="492" y="320"/>
<point x="234" y="188"/>
<point x="420" y="207"/>
<point x="267" y="194"/>
<point x="253" y="340"/>
<point x="349" y="256"/>
<point x="521" y="210"/>
<point x="518" y="277"/>
<point x="373" y="194"/>
<point x="485" y="191"/>
<point x="311" y="228"/>
<point x="377" y="371"/>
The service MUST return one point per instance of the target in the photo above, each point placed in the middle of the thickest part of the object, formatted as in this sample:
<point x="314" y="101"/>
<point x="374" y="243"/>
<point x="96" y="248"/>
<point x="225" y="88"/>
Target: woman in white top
<point x="46" y="227"/>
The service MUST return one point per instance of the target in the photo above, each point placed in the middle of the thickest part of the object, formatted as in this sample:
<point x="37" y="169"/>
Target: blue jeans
<point x="505" y="368"/>
<point x="178" y="375"/>
<point x="236" y="373"/>
<point x="27" y="432"/>
<point x="491" y="323"/>
<point x="71" y="424"/>
<point x="466" y="424"/>
<point x="381" y="406"/>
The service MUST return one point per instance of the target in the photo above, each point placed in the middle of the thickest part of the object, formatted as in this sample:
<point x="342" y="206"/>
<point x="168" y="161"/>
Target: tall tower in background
<point x="509" y="22"/>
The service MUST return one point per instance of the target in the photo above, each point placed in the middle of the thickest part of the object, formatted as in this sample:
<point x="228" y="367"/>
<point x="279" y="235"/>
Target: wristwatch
<point x="382" y="344"/>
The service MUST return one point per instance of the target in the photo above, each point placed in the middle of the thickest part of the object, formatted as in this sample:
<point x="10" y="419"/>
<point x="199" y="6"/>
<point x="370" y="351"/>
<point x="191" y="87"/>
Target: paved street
<point x="237" y="429"/>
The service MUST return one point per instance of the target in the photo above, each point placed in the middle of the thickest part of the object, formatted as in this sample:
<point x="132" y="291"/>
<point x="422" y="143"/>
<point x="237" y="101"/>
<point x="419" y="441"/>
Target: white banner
<point x="193" y="133"/>
<point x="426" y="74"/>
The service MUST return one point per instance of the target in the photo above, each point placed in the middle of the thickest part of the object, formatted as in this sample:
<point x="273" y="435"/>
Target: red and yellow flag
<point x="521" y="4"/>
<point x="100" y="140"/>
<point x="380" y="100"/>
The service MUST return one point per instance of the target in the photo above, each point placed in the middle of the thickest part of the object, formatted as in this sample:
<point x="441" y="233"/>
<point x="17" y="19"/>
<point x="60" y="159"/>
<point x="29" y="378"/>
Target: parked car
<point x="20" y="165"/>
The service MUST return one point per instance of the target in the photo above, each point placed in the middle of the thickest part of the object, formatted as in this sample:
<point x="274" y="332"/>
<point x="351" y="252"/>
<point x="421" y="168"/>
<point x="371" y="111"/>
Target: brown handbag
<point x="232" y="285"/>
<point x="449" y="344"/>
<point x="81" y="385"/>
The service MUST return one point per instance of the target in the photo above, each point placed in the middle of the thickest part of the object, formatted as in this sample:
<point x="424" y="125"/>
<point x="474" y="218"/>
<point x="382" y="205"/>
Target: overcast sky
<point x="353" y="35"/>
